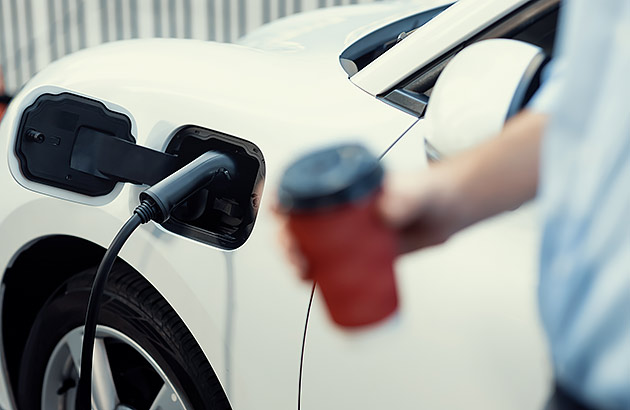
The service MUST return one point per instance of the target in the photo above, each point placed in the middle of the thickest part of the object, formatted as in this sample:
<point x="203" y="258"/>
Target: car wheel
<point x="145" y="357"/>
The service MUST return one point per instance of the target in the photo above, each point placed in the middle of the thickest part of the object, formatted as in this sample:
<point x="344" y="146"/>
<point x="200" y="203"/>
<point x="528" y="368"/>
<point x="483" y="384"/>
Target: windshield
<point x="365" y="50"/>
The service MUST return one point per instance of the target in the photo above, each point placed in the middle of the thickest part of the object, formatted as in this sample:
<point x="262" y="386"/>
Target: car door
<point x="466" y="334"/>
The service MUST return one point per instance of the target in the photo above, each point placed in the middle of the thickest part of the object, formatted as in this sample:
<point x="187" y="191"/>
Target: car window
<point x="533" y="23"/>
<point x="365" y="50"/>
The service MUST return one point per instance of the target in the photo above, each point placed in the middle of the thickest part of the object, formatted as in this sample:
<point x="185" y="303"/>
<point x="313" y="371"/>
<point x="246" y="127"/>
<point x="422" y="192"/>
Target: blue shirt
<point x="584" y="195"/>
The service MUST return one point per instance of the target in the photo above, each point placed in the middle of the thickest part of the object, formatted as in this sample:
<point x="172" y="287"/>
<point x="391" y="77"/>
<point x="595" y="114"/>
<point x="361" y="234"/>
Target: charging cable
<point x="156" y="203"/>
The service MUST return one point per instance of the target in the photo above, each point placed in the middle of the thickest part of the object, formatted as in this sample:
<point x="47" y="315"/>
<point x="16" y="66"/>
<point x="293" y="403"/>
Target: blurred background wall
<point x="35" y="32"/>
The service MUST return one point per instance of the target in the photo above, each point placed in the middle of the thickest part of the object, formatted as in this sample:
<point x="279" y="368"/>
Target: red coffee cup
<point x="330" y="197"/>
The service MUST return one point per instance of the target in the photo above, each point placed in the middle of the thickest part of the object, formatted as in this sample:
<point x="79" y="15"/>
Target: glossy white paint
<point x="333" y="29"/>
<point x="475" y="92"/>
<point x="457" y="23"/>
<point x="269" y="100"/>
<point x="467" y="328"/>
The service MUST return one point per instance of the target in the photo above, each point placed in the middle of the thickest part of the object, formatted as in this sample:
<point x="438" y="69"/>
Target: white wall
<point x="35" y="32"/>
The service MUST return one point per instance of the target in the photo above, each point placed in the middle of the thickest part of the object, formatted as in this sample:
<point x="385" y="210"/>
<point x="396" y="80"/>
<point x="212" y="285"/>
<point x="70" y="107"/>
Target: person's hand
<point x="496" y="176"/>
<point x="416" y="206"/>
<point x="419" y="208"/>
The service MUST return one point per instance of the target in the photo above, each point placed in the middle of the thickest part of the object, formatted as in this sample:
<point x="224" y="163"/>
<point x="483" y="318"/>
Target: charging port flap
<point x="106" y="156"/>
<point x="78" y="144"/>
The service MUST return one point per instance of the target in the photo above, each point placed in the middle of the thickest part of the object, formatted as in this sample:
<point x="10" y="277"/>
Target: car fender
<point x="285" y="106"/>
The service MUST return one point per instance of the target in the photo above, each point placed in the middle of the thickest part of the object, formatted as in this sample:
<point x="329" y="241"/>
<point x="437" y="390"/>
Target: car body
<point x="466" y="334"/>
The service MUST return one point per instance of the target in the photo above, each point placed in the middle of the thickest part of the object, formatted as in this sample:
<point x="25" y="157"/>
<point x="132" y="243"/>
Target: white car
<point x="204" y="311"/>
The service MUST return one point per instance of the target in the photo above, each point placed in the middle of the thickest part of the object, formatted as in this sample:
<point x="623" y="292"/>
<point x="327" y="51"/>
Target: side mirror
<point x="480" y="88"/>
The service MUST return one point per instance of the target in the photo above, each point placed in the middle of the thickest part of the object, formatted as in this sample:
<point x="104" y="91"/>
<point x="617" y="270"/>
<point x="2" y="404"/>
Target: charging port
<point x="78" y="144"/>
<point x="223" y="216"/>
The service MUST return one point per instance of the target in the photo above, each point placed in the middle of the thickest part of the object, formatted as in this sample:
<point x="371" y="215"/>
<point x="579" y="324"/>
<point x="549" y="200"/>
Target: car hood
<point x="332" y="29"/>
<point x="282" y="103"/>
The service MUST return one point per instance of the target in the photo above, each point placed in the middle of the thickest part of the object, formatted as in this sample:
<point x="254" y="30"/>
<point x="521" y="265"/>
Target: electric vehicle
<point x="204" y="311"/>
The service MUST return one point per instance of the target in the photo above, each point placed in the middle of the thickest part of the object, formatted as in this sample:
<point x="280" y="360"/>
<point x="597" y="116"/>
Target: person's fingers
<point x="405" y="205"/>
<point x="417" y="237"/>
<point x="400" y="203"/>
<point x="398" y="211"/>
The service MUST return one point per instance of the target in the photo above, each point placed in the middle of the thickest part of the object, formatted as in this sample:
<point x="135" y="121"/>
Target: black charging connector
<point x="157" y="203"/>
<point x="179" y="186"/>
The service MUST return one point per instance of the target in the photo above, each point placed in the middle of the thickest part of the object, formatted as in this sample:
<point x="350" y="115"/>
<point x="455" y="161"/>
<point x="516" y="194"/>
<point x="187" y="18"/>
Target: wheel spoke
<point x="166" y="399"/>
<point x="74" y="340"/>
<point x="104" y="396"/>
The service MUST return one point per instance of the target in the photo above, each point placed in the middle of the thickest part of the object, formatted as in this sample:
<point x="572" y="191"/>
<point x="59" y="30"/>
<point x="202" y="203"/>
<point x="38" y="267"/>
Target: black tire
<point x="133" y="307"/>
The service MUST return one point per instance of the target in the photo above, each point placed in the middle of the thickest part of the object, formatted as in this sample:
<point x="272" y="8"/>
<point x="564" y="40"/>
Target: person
<point x="570" y="148"/>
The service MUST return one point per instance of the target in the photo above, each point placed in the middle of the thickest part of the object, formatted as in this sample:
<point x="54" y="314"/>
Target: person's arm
<point x="496" y="176"/>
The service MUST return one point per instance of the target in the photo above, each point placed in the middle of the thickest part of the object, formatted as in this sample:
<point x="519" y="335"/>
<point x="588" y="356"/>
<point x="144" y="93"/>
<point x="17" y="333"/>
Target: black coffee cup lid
<point x="330" y="176"/>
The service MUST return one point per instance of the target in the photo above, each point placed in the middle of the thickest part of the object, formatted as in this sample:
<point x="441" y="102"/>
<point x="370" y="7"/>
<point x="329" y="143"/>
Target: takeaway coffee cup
<point x="330" y="198"/>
